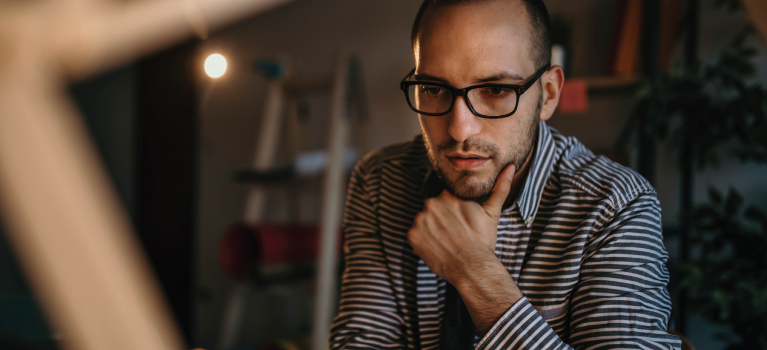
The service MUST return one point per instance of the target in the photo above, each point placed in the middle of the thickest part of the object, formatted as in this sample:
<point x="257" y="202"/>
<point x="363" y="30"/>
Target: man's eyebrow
<point x="501" y="76"/>
<point x="497" y="77"/>
<point x="426" y="77"/>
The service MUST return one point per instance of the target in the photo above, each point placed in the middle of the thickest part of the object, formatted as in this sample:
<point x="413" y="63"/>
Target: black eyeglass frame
<point x="519" y="89"/>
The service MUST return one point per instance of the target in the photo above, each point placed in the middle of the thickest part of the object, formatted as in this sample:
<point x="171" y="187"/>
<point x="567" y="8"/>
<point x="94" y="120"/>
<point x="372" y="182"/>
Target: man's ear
<point x="552" y="82"/>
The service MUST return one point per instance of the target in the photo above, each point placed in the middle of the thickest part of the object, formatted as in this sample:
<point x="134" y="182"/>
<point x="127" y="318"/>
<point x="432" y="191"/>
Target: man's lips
<point x="466" y="161"/>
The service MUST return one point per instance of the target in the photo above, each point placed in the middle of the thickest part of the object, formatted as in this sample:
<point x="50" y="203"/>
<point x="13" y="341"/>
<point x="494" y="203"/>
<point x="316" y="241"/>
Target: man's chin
<point x="469" y="187"/>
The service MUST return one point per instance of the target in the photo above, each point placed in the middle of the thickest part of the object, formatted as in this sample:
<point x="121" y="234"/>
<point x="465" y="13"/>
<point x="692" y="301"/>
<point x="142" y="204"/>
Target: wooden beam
<point x="70" y="234"/>
<point x="63" y="217"/>
<point x="757" y="13"/>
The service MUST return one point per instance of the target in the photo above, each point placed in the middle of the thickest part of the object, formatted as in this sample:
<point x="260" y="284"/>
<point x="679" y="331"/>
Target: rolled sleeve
<point x="521" y="327"/>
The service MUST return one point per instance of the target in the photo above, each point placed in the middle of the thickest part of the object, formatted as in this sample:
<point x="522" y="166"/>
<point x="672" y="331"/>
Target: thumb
<point x="501" y="190"/>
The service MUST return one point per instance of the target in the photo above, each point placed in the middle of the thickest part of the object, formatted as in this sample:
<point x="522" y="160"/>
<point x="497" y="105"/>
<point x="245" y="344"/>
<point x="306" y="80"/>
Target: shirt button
<point x="529" y="222"/>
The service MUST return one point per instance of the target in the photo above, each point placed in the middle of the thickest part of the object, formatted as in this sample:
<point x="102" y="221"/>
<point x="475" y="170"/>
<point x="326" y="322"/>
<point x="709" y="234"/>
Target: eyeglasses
<point x="485" y="100"/>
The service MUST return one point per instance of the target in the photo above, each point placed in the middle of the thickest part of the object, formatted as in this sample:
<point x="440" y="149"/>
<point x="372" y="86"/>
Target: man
<point x="534" y="243"/>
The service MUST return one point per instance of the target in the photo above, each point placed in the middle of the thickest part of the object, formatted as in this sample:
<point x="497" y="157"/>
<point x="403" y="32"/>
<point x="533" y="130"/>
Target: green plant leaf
<point x="717" y="106"/>
<point x="733" y="203"/>
<point x="753" y="213"/>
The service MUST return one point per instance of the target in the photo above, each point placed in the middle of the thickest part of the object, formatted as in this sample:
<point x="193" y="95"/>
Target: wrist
<point x="490" y="283"/>
<point x="488" y="293"/>
<point x="480" y="274"/>
<point x="467" y="271"/>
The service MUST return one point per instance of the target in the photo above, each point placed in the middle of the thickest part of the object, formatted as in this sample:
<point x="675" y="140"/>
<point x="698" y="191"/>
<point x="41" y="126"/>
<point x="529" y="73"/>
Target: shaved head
<point x="539" y="35"/>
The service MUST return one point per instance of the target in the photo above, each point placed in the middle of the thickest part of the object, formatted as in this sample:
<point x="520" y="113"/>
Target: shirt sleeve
<point x="621" y="300"/>
<point x="368" y="316"/>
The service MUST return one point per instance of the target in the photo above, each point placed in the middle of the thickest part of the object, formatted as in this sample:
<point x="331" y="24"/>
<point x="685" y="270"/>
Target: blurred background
<point x="672" y="88"/>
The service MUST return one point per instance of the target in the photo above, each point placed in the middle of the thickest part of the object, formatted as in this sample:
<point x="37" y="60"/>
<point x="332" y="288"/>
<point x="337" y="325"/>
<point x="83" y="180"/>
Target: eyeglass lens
<point x="490" y="101"/>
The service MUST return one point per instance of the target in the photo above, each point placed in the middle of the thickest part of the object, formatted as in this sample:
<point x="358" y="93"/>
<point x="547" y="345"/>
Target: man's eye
<point x="496" y="90"/>
<point x="432" y="90"/>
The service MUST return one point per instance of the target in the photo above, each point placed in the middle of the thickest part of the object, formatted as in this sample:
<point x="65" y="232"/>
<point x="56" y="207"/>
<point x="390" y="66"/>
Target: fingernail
<point x="512" y="172"/>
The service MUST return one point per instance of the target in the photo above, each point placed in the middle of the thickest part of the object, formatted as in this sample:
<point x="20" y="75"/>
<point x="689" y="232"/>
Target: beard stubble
<point x="466" y="186"/>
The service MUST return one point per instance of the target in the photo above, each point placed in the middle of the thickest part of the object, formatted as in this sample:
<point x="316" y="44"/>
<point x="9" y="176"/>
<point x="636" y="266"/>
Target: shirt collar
<point x="543" y="164"/>
<point x="544" y="156"/>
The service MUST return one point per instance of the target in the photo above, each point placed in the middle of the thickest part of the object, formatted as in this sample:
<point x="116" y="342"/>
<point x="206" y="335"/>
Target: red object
<point x="244" y="245"/>
<point x="238" y="249"/>
<point x="575" y="97"/>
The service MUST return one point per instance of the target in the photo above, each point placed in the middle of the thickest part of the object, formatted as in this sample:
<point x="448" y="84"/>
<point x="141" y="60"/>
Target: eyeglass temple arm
<point x="532" y="80"/>
<point x="409" y="74"/>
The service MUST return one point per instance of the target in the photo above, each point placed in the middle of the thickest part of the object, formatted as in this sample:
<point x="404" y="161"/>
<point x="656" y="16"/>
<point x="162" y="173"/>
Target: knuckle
<point x="418" y="218"/>
<point x="412" y="236"/>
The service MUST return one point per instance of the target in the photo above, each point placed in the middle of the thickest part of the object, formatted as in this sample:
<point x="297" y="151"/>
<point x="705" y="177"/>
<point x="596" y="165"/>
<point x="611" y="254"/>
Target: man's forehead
<point x="496" y="74"/>
<point x="475" y="42"/>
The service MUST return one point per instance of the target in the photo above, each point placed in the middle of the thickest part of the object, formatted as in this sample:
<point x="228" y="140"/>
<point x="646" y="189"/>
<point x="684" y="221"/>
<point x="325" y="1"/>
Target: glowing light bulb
<point x="215" y="65"/>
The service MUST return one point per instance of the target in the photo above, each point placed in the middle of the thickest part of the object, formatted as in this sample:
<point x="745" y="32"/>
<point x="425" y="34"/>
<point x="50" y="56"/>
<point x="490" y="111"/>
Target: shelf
<point x="608" y="84"/>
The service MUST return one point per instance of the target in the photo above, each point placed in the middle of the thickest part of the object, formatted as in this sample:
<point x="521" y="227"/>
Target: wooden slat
<point x="627" y="51"/>
<point x="757" y="13"/>
<point x="332" y="207"/>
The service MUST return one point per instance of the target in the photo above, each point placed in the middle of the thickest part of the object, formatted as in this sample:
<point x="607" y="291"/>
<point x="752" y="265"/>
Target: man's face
<point x="467" y="45"/>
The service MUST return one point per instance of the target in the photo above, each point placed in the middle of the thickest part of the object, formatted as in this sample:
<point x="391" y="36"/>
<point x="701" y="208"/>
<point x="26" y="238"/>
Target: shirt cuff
<point x="521" y="327"/>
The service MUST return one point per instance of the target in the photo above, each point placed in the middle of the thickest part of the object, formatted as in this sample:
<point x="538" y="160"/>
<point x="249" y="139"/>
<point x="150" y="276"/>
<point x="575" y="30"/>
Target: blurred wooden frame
<point x="64" y="220"/>
<point x="756" y="10"/>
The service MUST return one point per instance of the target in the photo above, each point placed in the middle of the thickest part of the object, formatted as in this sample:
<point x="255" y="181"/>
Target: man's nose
<point x="463" y="124"/>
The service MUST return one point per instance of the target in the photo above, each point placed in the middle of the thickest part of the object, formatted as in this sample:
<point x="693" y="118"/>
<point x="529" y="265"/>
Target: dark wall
<point x="167" y="167"/>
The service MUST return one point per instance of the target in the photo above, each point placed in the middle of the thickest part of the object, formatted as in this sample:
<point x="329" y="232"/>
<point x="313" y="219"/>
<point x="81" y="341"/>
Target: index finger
<point x="494" y="204"/>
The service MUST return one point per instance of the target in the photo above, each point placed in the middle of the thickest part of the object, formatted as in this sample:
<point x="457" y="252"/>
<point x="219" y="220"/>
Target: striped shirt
<point x="583" y="243"/>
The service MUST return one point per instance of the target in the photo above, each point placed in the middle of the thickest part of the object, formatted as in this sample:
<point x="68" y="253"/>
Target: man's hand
<point x="455" y="237"/>
<point x="456" y="240"/>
